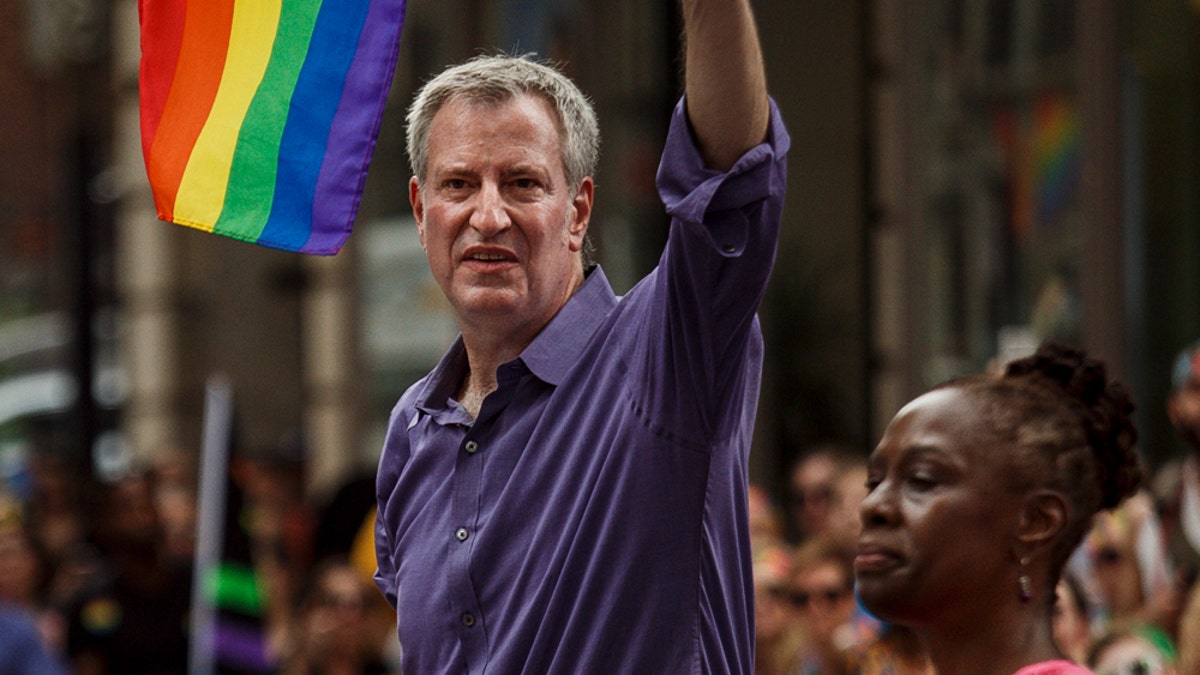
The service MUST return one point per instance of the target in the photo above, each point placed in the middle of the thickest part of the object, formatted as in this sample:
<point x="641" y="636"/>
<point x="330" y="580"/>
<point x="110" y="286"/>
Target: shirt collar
<point x="551" y="354"/>
<point x="556" y="349"/>
<point x="442" y="382"/>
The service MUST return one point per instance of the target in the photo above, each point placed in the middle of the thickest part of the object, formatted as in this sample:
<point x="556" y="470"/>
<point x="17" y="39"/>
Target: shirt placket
<point x="465" y="610"/>
<point x="468" y="616"/>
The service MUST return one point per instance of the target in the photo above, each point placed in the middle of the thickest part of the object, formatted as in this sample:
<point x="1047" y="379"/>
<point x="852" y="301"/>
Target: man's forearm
<point x="724" y="79"/>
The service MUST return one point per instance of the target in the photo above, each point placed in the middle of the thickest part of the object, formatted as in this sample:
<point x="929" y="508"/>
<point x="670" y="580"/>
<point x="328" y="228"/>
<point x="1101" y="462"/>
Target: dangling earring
<point x="1024" y="585"/>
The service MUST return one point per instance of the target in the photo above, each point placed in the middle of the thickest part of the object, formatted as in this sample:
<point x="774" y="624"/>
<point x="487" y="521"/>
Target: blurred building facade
<point x="966" y="179"/>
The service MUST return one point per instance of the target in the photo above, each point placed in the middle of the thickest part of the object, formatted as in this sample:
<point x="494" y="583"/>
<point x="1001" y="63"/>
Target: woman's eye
<point x="922" y="482"/>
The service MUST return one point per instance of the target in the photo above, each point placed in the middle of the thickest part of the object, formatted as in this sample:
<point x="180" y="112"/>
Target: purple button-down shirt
<point x="593" y="518"/>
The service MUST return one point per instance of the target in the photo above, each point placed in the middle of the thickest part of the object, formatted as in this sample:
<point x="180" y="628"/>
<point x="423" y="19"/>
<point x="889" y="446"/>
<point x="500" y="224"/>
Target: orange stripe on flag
<point x="206" y="29"/>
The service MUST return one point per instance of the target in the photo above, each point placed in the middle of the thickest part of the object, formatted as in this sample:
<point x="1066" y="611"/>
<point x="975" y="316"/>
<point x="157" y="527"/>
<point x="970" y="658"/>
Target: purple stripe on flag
<point x="355" y="128"/>
<point x="240" y="646"/>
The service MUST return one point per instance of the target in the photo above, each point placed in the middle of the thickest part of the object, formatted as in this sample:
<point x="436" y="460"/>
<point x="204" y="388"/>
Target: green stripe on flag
<point x="251" y="188"/>
<point x="234" y="587"/>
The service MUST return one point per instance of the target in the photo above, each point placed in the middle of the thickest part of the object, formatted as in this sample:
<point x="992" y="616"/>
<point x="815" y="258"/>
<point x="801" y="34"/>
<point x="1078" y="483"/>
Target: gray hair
<point x="498" y="78"/>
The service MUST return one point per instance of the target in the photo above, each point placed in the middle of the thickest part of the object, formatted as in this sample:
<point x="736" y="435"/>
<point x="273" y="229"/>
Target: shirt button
<point x="730" y="248"/>
<point x="461" y="534"/>
<point x="468" y="619"/>
<point x="472" y="447"/>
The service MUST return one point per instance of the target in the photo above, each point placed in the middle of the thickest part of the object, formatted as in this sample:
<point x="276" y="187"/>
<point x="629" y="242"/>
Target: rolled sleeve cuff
<point x="689" y="189"/>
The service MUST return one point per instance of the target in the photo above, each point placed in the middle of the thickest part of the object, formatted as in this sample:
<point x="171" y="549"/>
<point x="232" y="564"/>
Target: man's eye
<point x="454" y="184"/>
<point x="525" y="183"/>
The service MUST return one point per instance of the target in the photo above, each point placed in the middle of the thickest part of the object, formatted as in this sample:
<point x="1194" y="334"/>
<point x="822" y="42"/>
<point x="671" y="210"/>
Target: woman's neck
<point x="1001" y="646"/>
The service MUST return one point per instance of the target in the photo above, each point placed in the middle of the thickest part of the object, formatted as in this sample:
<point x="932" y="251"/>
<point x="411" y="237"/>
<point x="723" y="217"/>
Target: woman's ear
<point x="1044" y="515"/>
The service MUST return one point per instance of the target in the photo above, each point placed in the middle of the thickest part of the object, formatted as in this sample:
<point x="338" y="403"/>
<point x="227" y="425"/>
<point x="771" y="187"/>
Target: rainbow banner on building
<point x="259" y="117"/>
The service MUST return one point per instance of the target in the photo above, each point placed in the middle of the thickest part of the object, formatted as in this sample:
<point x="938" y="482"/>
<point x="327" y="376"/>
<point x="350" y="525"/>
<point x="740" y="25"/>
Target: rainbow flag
<point x="1042" y="149"/>
<point x="259" y="117"/>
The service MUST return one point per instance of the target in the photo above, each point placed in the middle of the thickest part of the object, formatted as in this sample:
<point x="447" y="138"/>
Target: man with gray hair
<point x="566" y="492"/>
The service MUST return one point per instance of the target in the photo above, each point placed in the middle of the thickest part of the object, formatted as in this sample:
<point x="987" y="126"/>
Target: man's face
<point x="823" y="596"/>
<point x="812" y="489"/>
<point x="499" y="223"/>
<point x="1183" y="407"/>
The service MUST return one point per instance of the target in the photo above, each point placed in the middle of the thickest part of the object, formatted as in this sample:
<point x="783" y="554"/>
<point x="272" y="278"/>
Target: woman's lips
<point x="875" y="558"/>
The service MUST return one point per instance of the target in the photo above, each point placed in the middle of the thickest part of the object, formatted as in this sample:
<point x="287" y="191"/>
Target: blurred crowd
<point x="98" y="578"/>
<point x="1128" y="603"/>
<point x="1123" y="593"/>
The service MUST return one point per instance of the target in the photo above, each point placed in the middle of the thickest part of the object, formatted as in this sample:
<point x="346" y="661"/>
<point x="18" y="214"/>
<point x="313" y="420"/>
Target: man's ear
<point x="582" y="214"/>
<point x="1044" y="515"/>
<point x="418" y="207"/>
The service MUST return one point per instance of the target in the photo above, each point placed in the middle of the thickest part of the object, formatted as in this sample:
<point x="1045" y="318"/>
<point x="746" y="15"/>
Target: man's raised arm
<point x="724" y="79"/>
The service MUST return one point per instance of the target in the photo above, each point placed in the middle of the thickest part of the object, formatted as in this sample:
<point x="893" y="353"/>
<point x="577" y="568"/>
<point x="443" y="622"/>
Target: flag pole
<point x="214" y="465"/>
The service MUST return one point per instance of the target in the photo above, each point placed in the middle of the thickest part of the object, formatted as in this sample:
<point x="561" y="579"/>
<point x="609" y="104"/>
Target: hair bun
<point x="1107" y="412"/>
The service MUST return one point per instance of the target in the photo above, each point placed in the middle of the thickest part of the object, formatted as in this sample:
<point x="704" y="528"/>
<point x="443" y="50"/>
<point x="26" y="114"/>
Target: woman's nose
<point x="877" y="507"/>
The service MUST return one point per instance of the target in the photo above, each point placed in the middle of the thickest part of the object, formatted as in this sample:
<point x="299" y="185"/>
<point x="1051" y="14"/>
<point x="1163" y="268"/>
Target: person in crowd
<point x="813" y="498"/>
<point x="822" y="598"/>
<point x="25" y="576"/>
<point x="175" y="481"/>
<point x="136" y="621"/>
<point x="1072" y="618"/>
<point x="766" y="522"/>
<point x="777" y="636"/>
<point x="1189" y="634"/>
<point x="979" y="491"/>
<point x="849" y="489"/>
<point x="567" y="490"/>
<point x="893" y="650"/>
<point x="22" y="571"/>
<point x="1130" y="570"/>
<point x="277" y="523"/>
<point x="1183" y="408"/>
<point x="340" y="626"/>
<point x="54" y="510"/>
<point x="1128" y="652"/>
<point x="21" y="649"/>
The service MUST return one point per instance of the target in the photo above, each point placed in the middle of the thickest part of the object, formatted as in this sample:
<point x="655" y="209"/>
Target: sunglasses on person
<point x="802" y="599"/>
<point x="820" y="494"/>
<point x="341" y="601"/>
<point x="1108" y="555"/>
<point x="1145" y="665"/>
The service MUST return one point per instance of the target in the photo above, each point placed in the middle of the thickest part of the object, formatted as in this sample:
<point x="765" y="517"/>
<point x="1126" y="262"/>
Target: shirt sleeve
<point x="694" y="193"/>
<point x="385" y="481"/>
<point x="385" y="573"/>
<point x="701" y="346"/>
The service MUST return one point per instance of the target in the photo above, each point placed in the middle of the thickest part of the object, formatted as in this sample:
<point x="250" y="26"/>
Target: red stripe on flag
<point x="162" y="33"/>
<point x="193" y="88"/>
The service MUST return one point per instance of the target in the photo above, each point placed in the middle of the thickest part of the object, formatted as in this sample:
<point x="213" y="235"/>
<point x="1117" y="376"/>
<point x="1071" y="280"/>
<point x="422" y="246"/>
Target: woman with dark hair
<point x="979" y="492"/>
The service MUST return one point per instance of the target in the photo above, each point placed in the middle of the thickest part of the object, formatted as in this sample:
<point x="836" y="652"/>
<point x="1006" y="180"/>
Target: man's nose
<point x="490" y="215"/>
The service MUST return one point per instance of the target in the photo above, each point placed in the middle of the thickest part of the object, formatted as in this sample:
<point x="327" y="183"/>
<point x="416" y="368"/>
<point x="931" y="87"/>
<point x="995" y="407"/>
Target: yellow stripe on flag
<point x="202" y="190"/>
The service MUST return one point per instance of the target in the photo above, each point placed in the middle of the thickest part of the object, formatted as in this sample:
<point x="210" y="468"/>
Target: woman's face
<point x="938" y="522"/>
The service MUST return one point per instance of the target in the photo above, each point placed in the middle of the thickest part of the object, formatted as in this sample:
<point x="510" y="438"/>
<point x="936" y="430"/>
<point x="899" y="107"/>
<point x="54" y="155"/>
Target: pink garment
<point x="1058" y="667"/>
